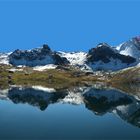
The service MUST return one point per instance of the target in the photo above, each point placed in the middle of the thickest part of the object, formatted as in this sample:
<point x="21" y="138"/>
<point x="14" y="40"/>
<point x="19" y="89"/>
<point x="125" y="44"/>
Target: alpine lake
<point x="94" y="112"/>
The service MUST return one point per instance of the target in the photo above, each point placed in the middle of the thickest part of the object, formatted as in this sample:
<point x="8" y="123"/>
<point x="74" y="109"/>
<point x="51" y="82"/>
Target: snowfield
<point x="4" y="58"/>
<point x="75" y="58"/>
<point x="43" y="68"/>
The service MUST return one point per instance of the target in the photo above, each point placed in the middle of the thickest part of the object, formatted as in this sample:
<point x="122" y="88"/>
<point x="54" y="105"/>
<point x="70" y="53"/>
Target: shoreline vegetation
<point x="58" y="79"/>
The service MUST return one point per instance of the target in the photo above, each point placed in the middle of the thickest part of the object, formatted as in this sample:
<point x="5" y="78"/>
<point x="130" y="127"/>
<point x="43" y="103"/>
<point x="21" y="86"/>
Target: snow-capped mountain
<point x="39" y="56"/>
<point x="130" y="47"/>
<point x="102" y="57"/>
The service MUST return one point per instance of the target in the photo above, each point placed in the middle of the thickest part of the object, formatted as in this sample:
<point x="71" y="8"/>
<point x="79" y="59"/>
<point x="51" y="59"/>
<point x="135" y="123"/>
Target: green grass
<point x="59" y="79"/>
<point x="65" y="79"/>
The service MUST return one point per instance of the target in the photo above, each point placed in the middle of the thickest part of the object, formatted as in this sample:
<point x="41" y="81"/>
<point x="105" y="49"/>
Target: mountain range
<point x="101" y="57"/>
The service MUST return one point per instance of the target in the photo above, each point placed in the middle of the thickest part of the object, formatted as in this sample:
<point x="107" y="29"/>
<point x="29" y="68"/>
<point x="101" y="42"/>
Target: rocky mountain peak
<point x="130" y="47"/>
<point x="102" y="50"/>
<point x="46" y="48"/>
<point x="35" y="57"/>
<point x="104" y="57"/>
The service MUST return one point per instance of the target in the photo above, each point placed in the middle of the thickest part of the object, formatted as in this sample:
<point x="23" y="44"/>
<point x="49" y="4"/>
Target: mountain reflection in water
<point x="99" y="101"/>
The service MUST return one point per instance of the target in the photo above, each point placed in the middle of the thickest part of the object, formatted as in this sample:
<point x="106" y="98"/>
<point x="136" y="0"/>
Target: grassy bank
<point x="58" y="79"/>
<point x="50" y="78"/>
<point x="127" y="80"/>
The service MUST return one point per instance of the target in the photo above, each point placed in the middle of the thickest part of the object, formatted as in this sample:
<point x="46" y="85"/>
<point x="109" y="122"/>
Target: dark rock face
<point x="103" y="52"/>
<point x="34" y="57"/>
<point x="60" y="60"/>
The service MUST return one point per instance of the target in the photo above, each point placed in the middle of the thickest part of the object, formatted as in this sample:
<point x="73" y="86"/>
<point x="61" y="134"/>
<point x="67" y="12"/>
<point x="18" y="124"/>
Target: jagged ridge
<point x="102" y="57"/>
<point x="35" y="57"/>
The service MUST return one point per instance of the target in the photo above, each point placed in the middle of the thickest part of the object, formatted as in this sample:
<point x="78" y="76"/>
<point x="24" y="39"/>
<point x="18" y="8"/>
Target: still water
<point x="78" y="113"/>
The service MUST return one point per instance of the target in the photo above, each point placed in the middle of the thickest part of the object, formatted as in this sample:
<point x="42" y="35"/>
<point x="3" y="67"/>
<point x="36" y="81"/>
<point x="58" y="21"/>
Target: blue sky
<point x="67" y="25"/>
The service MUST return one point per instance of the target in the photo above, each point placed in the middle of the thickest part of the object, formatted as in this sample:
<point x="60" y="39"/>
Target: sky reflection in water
<point x="79" y="113"/>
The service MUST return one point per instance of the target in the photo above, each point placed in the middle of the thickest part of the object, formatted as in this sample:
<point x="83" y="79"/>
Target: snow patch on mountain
<point x="85" y="68"/>
<point x="43" y="68"/>
<point x="45" y="61"/>
<point x="114" y="64"/>
<point x="4" y="59"/>
<point x="75" y="58"/>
